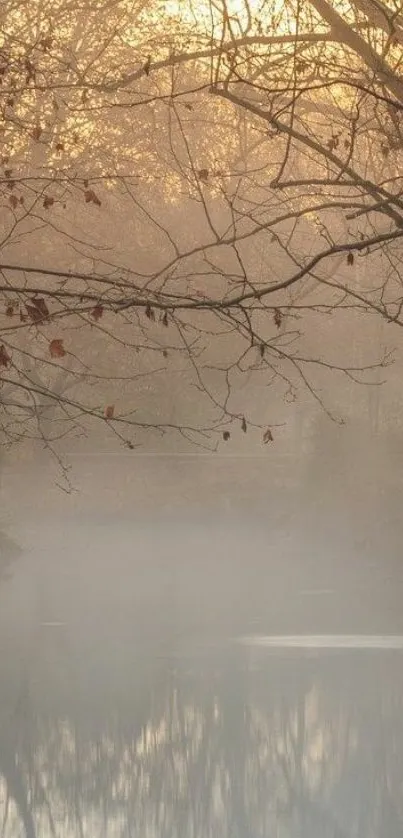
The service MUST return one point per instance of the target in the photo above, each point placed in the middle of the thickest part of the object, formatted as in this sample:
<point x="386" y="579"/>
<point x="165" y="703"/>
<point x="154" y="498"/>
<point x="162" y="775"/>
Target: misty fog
<point x="132" y="701"/>
<point x="201" y="461"/>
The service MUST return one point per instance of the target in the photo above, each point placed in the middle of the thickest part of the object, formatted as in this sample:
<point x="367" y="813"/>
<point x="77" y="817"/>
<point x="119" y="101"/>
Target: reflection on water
<point x="285" y="747"/>
<point x="9" y="552"/>
<point x="127" y="707"/>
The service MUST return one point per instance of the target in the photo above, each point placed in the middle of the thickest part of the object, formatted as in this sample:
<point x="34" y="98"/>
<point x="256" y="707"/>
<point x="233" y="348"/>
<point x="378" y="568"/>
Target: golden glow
<point x="229" y="17"/>
<point x="122" y="131"/>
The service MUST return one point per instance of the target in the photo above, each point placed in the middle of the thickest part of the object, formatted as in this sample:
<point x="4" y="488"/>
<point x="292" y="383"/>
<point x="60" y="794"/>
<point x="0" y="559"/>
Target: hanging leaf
<point x="278" y="318"/>
<point x="244" y="425"/>
<point x="333" y="143"/>
<point x="13" y="201"/>
<point x="226" y="435"/>
<point x="41" y="306"/>
<point x="37" y="133"/>
<point x="149" y="312"/>
<point x="5" y="359"/>
<point x="203" y="175"/>
<point x="48" y="202"/>
<point x="164" y="318"/>
<point x="34" y="313"/>
<point x="91" y="197"/>
<point x="110" y="411"/>
<point x="267" y="436"/>
<point x="147" y="66"/>
<point x="350" y="259"/>
<point x="56" y="348"/>
<point x="165" y="353"/>
<point x="46" y="43"/>
<point x="97" y="312"/>
<point x="262" y="349"/>
<point x="10" y="310"/>
<point x="59" y="146"/>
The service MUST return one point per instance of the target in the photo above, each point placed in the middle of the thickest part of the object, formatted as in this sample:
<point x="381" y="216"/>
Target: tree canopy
<point x="196" y="198"/>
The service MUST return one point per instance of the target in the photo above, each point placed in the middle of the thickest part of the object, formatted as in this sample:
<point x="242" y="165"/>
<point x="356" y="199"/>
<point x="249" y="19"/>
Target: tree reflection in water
<point x="225" y="746"/>
<point x="9" y="552"/>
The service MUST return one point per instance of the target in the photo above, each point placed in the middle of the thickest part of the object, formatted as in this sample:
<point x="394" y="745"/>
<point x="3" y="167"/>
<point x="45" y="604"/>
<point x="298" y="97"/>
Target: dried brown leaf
<point x="56" y="348"/>
<point x="41" y="306"/>
<point x="46" y="43"/>
<point x="37" y="133"/>
<point x="97" y="312"/>
<point x="91" y="197"/>
<point x="34" y="313"/>
<point x="149" y="312"/>
<point x="5" y="359"/>
<point x="203" y="175"/>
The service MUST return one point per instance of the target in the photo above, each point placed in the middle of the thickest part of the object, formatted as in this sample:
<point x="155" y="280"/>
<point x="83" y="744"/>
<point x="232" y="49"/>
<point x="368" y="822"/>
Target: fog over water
<point x="149" y="683"/>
